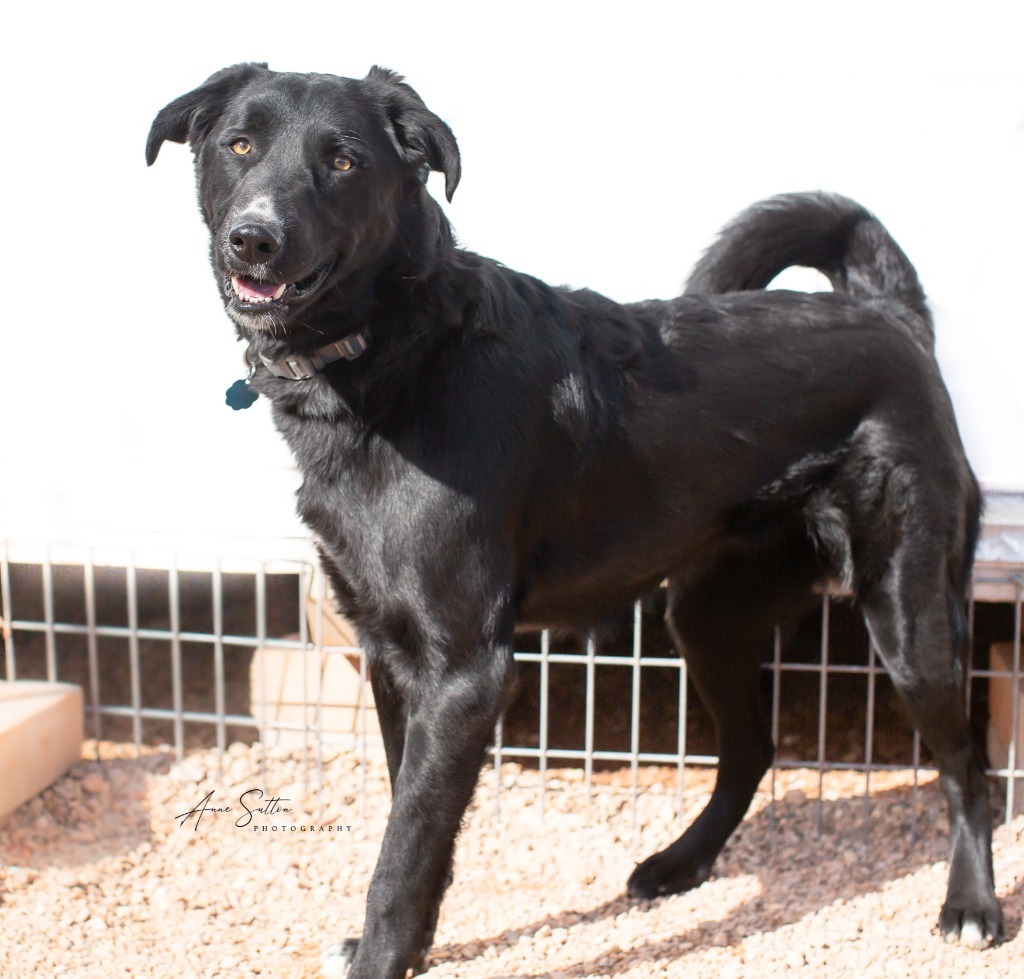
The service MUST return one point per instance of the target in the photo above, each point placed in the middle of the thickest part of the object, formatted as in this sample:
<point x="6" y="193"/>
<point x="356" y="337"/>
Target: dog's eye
<point x="342" y="163"/>
<point x="241" y="146"/>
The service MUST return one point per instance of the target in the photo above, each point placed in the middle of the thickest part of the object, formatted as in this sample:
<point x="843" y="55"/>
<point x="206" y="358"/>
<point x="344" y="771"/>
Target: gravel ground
<point x="99" y="878"/>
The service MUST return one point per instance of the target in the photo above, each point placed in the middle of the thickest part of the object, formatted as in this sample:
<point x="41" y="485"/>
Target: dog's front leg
<point x="391" y="711"/>
<point x="450" y="715"/>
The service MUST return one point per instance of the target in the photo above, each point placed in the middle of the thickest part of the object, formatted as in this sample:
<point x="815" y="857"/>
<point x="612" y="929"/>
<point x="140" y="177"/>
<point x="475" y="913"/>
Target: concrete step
<point x="40" y="737"/>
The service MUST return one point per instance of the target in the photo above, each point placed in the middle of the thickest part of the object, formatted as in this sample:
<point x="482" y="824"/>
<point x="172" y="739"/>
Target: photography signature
<point x="252" y="801"/>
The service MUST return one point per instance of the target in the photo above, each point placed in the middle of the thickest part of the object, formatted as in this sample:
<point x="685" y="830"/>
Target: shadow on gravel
<point x="98" y="809"/>
<point x="803" y="873"/>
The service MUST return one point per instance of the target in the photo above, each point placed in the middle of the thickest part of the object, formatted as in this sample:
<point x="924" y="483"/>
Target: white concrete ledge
<point x="40" y="737"/>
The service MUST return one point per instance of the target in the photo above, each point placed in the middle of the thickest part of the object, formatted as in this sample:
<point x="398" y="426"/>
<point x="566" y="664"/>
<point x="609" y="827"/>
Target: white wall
<point x="603" y="145"/>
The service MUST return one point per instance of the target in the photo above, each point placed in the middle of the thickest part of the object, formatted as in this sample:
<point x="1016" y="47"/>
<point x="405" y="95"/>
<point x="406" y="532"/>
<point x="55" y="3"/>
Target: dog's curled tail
<point x="832" y="234"/>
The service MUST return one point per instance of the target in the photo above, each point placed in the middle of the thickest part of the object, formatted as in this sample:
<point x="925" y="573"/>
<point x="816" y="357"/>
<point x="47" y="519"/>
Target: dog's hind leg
<point x="721" y="623"/>
<point x="916" y="615"/>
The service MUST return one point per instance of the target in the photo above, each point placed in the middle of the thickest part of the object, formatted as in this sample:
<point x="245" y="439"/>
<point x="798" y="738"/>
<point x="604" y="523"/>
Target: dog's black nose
<point x="253" y="243"/>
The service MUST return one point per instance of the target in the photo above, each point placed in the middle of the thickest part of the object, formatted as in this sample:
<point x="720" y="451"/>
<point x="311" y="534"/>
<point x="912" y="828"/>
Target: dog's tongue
<point x="249" y="288"/>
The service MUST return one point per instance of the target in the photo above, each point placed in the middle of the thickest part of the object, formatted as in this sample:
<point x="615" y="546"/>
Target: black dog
<point x="481" y="450"/>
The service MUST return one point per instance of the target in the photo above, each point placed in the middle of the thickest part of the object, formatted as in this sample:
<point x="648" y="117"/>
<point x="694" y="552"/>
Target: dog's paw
<point x="971" y="927"/>
<point x="666" y="873"/>
<point x="336" y="960"/>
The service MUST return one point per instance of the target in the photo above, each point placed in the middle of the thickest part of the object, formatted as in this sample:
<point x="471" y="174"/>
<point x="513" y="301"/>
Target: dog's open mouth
<point x="255" y="295"/>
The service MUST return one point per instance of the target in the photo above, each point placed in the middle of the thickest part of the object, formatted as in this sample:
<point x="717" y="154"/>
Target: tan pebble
<point x="187" y="772"/>
<point x="95" y="784"/>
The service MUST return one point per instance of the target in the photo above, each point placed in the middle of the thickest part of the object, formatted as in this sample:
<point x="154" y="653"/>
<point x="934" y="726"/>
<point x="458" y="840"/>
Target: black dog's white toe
<point x="337" y="958"/>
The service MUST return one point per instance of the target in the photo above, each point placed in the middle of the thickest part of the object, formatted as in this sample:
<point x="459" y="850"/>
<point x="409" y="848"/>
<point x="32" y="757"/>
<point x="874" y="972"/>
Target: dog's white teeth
<point x="253" y="298"/>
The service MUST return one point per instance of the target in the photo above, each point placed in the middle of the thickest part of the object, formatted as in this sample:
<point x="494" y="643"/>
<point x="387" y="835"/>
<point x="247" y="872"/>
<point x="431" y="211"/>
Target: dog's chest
<point x="384" y="524"/>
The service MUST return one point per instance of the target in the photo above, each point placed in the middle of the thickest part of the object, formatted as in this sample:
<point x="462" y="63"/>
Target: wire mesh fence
<point x="202" y="646"/>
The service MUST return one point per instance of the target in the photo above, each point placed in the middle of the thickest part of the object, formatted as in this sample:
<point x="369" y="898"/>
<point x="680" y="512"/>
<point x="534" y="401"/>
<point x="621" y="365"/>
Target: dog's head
<point x="301" y="179"/>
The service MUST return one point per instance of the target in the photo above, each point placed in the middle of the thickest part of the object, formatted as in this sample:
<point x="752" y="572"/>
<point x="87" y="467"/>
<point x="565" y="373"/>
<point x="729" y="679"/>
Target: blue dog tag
<point x="240" y="396"/>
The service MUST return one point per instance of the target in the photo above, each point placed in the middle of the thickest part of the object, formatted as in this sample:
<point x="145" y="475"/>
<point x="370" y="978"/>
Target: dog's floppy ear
<point x="419" y="136"/>
<point x="190" y="117"/>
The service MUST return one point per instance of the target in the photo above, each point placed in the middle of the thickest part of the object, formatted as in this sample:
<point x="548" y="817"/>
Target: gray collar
<point x="301" y="367"/>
